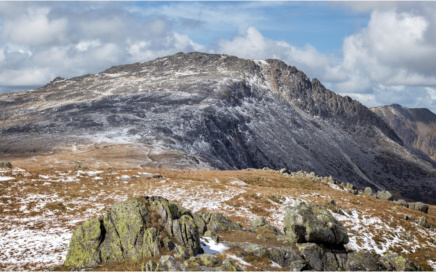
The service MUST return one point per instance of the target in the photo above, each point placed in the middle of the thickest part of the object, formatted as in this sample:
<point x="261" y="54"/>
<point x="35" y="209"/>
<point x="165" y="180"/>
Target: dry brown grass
<point x="265" y="193"/>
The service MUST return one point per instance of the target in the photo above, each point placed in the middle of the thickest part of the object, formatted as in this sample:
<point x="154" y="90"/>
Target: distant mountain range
<point x="416" y="127"/>
<point x="219" y="111"/>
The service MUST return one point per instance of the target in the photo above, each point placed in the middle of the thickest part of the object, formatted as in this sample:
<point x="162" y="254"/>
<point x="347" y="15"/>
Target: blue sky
<point x="376" y="52"/>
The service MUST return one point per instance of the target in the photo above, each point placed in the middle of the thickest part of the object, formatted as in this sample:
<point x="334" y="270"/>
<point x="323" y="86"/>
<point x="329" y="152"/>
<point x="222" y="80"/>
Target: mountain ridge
<point x="416" y="126"/>
<point x="221" y="112"/>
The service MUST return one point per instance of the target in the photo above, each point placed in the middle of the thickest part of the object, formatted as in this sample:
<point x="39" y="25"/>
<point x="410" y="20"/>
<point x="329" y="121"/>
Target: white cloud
<point x="391" y="59"/>
<point x="252" y="44"/>
<point x="183" y="42"/>
<point x="2" y="55"/>
<point x="35" y="28"/>
<point x="85" y="45"/>
<point x="25" y="76"/>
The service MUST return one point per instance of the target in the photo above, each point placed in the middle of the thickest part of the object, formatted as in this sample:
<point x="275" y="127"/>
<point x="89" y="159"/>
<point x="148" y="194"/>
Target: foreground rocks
<point x="160" y="236"/>
<point x="132" y="230"/>
<point x="313" y="223"/>
<point x="5" y="164"/>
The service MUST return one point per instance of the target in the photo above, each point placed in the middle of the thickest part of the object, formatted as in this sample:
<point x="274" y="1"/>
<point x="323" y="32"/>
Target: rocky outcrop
<point x="384" y="195"/>
<point x="132" y="230"/>
<point x="419" y="206"/>
<point x="161" y="236"/>
<point x="215" y="222"/>
<point x="309" y="222"/>
<point x="395" y="262"/>
<point x="5" y="164"/>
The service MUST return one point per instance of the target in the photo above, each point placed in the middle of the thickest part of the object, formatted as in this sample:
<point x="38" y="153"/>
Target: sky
<point x="379" y="53"/>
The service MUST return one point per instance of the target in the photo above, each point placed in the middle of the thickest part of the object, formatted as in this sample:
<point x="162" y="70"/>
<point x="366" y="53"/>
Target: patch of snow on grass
<point x="68" y="179"/>
<point x="239" y="183"/>
<point x="199" y="196"/>
<point x="239" y="260"/>
<point x="334" y="186"/>
<point x="125" y="177"/>
<point x="6" y="178"/>
<point x="21" y="245"/>
<point x="432" y="264"/>
<point x="274" y="264"/>
<point x="145" y="174"/>
<point x="209" y="246"/>
<point x="362" y="236"/>
<point x="90" y="173"/>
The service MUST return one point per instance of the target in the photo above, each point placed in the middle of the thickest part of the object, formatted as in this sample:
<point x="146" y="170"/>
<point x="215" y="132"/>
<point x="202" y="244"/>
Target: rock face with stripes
<point x="218" y="111"/>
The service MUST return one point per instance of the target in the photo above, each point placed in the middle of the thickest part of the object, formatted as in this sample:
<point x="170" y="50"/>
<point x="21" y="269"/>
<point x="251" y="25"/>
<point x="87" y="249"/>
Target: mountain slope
<point x="217" y="111"/>
<point x="416" y="127"/>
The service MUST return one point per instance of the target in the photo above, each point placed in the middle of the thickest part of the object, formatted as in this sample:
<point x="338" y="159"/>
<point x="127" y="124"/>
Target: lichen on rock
<point x="313" y="223"/>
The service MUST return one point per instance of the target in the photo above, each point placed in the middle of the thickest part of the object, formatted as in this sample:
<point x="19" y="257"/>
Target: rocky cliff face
<point x="416" y="127"/>
<point x="222" y="112"/>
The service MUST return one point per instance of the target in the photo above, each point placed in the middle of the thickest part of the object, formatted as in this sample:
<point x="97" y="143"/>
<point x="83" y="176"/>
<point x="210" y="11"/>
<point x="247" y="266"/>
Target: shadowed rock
<point x="5" y="164"/>
<point x="419" y="206"/>
<point x="309" y="222"/>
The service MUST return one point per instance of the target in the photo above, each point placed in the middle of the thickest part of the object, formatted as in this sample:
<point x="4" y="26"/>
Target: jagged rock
<point x="260" y="237"/>
<point x="182" y="253"/>
<point x="216" y="222"/>
<point x="260" y="223"/>
<point x="256" y="249"/>
<point x="169" y="263"/>
<point x="384" y="195"/>
<point x="228" y="265"/>
<point x="368" y="191"/>
<point x="257" y="222"/>
<point x="192" y="264"/>
<point x="401" y="202"/>
<point x="149" y="266"/>
<point x="423" y="222"/>
<point x="200" y="223"/>
<point x="419" y="206"/>
<point x="408" y="217"/>
<point x="321" y="258"/>
<point x="151" y="242"/>
<point x="84" y="244"/>
<point x="313" y="223"/>
<point x="283" y="171"/>
<point x="209" y="260"/>
<point x="168" y="244"/>
<point x="317" y="257"/>
<point x="131" y="230"/>
<point x="362" y="261"/>
<point x="5" y="164"/>
<point x="284" y="256"/>
<point x="395" y="262"/>
<point x="186" y="232"/>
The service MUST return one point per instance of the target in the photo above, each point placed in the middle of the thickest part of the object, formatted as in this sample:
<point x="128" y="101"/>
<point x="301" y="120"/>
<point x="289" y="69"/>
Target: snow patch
<point x="239" y="260"/>
<point x="209" y="246"/>
<point x="6" y="178"/>
<point x="239" y="183"/>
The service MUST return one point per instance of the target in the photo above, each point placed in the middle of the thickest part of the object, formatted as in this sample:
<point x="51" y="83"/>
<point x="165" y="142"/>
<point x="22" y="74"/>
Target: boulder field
<point x="162" y="236"/>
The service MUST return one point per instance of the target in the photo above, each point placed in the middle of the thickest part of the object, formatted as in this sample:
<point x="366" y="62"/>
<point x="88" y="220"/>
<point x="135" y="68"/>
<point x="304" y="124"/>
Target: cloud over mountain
<point x="385" y="59"/>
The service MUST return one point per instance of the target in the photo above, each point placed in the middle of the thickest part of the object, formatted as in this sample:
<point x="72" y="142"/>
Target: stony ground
<point x="39" y="208"/>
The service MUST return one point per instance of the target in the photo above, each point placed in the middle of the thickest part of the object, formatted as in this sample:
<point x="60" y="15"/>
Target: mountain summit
<point x="211" y="111"/>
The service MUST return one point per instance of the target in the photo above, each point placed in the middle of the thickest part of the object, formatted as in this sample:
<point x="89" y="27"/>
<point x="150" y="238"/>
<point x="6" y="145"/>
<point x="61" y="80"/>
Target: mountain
<point x="416" y="127"/>
<point x="210" y="111"/>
